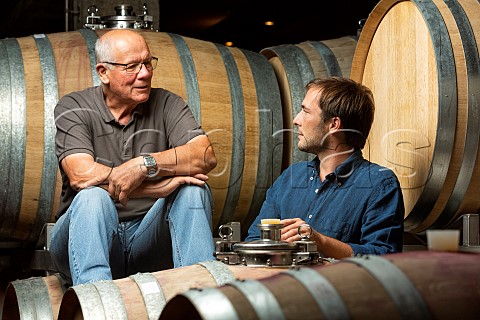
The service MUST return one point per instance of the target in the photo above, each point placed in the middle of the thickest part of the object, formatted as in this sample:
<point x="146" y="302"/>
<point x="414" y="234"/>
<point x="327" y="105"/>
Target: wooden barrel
<point x="232" y="92"/>
<point x="413" y="285"/>
<point x="144" y="295"/>
<point x="420" y="58"/>
<point x="34" y="298"/>
<point x="295" y="65"/>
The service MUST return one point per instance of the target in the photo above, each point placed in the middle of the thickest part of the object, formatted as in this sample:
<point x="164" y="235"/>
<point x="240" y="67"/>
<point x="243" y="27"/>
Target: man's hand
<point x="290" y="229"/>
<point x="329" y="247"/>
<point x="163" y="188"/>
<point x="121" y="180"/>
<point x="125" y="178"/>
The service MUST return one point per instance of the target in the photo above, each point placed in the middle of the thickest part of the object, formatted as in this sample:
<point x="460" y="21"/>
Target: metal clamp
<point x="225" y="236"/>
<point x="305" y="236"/>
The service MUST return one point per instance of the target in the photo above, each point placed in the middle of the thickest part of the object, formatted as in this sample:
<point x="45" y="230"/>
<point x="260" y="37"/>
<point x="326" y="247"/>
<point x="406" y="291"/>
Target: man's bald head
<point x="116" y="40"/>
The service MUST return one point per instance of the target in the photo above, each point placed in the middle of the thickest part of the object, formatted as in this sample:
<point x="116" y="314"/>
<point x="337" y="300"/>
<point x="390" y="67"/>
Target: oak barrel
<point x="295" y="65"/>
<point x="413" y="285"/>
<point x="144" y="295"/>
<point x="232" y="92"/>
<point x="420" y="58"/>
<point x="34" y="298"/>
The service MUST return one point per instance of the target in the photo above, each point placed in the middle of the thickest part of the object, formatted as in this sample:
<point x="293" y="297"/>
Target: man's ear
<point x="335" y="124"/>
<point x="102" y="72"/>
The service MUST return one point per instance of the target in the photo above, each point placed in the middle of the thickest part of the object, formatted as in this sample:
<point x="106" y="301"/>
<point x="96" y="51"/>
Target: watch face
<point x="151" y="165"/>
<point x="149" y="161"/>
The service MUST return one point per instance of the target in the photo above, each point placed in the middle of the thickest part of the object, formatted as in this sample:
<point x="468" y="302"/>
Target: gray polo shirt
<point x="86" y="125"/>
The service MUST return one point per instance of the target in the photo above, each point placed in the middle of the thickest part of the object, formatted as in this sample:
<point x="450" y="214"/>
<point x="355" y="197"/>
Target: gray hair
<point x="103" y="50"/>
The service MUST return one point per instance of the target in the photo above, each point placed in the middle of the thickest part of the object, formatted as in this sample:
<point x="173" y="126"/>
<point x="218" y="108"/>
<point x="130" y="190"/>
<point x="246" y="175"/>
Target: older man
<point x="134" y="163"/>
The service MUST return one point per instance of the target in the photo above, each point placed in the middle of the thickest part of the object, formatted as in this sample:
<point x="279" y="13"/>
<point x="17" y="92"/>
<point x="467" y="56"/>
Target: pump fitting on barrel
<point x="124" y="18"/>
<point x="270" y="250"/>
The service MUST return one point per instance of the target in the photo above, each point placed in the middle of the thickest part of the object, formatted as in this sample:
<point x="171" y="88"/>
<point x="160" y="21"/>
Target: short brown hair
<point x="352" y="102"/>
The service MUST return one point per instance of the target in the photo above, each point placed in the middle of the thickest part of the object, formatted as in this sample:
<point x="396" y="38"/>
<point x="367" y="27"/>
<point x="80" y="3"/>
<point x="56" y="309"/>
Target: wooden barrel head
<point x="421" y="61"/>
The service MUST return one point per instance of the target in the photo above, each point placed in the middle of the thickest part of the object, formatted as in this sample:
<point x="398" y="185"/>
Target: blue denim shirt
<point x="360" y="203"/>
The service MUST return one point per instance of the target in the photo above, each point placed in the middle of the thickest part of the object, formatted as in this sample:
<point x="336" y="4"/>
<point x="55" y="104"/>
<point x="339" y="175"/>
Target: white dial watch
<point x="150" y="165"/>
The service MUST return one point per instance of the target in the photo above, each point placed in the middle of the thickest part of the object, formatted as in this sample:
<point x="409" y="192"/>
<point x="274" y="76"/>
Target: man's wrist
<point x="150" y="165"/>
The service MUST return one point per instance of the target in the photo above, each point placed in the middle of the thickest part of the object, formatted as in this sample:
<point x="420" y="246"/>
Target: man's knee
<point x="195" y="197"/>
<point x="96" y="201"/>
<point x="92" y="196"/>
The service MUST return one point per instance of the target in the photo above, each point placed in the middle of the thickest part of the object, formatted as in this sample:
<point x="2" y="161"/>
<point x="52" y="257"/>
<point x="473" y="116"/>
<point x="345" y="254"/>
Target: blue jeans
<point x="89" y="243"/>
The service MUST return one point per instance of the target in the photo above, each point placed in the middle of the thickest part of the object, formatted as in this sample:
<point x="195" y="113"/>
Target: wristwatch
<point x="150" y="165"/>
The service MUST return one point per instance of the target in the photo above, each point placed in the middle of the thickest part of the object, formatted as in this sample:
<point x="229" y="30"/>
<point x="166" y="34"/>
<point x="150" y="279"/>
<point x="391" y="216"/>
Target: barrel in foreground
<point x="414" y="285"/>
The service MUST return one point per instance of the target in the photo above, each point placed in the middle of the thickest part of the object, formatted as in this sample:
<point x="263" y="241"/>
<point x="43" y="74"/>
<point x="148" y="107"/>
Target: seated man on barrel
<point x="353" y="206"/>
<point x="133" y="162"/>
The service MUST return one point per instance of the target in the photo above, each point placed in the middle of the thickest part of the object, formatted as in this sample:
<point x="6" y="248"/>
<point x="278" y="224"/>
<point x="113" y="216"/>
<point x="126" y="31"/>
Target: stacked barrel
<point x="411" y="285"/>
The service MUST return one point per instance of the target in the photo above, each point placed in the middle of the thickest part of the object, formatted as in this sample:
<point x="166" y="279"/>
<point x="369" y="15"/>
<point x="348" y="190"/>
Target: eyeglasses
<point x="134" y="68"/>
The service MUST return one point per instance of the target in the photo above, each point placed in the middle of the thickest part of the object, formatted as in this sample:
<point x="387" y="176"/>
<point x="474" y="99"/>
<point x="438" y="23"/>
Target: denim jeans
<point x="89" y="243"/>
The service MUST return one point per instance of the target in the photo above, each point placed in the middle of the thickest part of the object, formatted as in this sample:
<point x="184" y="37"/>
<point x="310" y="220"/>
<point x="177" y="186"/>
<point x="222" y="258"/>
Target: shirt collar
<point x="344" y="170"/>
<point x="103" y="109"/>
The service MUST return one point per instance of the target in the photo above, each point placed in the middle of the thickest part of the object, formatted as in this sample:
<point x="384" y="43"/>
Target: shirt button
<point x="316" y="190"/>
<point x="310" y="217"/>
<point x="311" y="178"/>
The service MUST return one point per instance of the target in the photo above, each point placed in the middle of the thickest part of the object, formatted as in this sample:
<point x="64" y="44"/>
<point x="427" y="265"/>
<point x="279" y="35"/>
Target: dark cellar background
<point x="239" y="21"/>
